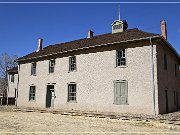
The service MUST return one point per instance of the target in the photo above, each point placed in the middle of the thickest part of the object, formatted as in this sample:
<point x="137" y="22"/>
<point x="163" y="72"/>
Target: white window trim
<point x="75" y="101"/>
<point x="51" y="66"/>
<point x="31" y="69"/>
<point x="29" y="93"/>
<point x="122" y="66"/>
<point x="70" y="66"/>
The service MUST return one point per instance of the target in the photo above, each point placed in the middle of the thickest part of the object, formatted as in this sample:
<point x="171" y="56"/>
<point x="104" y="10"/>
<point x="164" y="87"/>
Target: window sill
<point x="72" y="71"/>
<point x="50" y="73"/>
<point x="34" y="75"/>
<point x="121" y="66"/>
<point x="120" y="104"/>
<point x="71" y="101"/>
<point x="32" y="100"/>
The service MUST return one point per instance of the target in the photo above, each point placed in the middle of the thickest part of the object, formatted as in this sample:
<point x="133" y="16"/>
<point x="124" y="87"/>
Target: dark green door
<point x="49" y="95"/>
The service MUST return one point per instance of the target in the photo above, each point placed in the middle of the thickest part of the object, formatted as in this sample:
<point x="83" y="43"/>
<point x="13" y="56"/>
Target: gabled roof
<point x="131" y="34"/>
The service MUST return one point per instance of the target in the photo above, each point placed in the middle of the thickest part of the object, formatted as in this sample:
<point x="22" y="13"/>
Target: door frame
<point x="51" y="95"/>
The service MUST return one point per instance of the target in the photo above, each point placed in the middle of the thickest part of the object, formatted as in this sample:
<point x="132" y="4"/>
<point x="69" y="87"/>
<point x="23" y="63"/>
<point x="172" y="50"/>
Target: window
<point x="121" y="57"/>
<point x="71" y="92"/>
<point x="72" y="63"/>
<point x="120" y="93"/>
<point x="32" y="93"/>
<point x="33" y="69"/>
<point x="12" y="78"/>
<point x="51" y="66"/>
<point x="175" y="69"/>
<point x="165" y="61"/>
<point x="117" y="27"/>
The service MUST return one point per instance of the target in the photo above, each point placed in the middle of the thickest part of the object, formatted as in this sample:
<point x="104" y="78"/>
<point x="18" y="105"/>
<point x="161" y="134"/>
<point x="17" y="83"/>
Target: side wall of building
<point x="12" y="85"/>
<point x="96" y="72"/>
<point x="12" y="88"/>
<point x="167" y="80"/>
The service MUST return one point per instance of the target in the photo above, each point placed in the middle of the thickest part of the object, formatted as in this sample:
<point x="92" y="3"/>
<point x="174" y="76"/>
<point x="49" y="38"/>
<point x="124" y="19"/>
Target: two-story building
<point x="125" y="71"/>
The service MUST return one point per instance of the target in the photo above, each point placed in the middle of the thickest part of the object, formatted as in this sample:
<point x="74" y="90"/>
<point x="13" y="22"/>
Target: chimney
<point x="90" y="34"/>
<point x="163" y="29"/>
<point x="40" y="40"/>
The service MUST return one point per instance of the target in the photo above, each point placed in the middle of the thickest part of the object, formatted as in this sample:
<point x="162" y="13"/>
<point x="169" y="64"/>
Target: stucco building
<point x="125" y="71"/>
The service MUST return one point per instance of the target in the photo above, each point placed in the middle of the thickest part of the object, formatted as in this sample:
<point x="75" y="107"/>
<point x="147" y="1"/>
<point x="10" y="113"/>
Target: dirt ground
<point x="48" y="123"/>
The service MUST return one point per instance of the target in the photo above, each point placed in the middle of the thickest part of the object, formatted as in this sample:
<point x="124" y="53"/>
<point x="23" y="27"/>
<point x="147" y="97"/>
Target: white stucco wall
<point x="12" y="85"/>
<point x="94" y="77"/>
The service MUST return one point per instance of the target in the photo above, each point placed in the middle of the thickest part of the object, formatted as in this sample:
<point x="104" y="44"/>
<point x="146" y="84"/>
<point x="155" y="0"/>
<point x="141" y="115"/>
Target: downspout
<point x="154" y="100"/>
<point x="17" y="84"/>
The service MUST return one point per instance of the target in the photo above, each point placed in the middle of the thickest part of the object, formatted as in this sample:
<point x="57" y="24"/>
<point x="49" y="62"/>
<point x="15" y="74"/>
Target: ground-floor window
<point x="32" y="93"/>
<point x="120" y="92"/>
<point x="72" y="92"/>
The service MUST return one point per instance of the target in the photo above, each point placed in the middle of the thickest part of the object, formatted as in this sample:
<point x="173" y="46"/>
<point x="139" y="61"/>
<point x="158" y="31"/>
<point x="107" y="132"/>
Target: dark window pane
<point x="121" y="58"/>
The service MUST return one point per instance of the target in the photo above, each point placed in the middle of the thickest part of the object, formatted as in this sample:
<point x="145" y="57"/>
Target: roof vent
<point x="119" y="26"/>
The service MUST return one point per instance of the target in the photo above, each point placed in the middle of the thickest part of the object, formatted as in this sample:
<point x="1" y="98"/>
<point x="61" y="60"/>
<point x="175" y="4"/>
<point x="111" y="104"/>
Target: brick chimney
<point x="90" y="34"/>
<point x="163" y="29"/>
<point x="40" y="40"/>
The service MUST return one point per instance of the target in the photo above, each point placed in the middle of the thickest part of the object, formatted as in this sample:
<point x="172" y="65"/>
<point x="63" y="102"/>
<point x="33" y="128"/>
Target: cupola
<point x="119" y="26"/>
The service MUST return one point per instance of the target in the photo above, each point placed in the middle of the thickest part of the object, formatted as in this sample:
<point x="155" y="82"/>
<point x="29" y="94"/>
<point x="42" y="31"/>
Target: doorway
<point x="166" y="98"/>
<point x="50" y="96"/>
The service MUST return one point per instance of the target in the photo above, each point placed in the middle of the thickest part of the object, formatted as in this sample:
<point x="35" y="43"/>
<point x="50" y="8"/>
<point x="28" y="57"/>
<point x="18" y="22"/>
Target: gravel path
<point x="47" y="122"/>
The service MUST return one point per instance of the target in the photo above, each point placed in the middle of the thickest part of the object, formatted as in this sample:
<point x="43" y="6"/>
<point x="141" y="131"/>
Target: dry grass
<point x="55" y="123"/>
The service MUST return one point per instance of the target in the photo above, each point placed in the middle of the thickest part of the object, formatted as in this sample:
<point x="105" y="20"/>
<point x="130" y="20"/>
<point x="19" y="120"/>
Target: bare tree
<point x="6" y="62"/>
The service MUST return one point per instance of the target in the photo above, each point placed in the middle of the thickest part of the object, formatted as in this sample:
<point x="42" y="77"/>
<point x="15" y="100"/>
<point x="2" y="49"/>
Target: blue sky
<point x="22" y="24"/>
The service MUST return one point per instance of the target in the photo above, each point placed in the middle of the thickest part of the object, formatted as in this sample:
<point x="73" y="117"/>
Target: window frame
<point x="33" y="70"/>
<point x="68" y="94"/>
<point x="124" y="57"/>
<point x="12" y="77"/>
<point x="52" y="68"/>
<point x="72" y="64"/>
<point x="32" y="95"/>
<point x="127" y="100"/>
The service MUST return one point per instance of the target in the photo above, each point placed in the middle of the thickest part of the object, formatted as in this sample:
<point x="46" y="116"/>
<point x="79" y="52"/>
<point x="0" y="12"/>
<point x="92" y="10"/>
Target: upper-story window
<point x="51" y="66"/>
<point x="72" y="63"/>
<point x="33" y="68"/>
<point x="121" y="57"/>
<point x="165" y="61"/>
<point x="12" y="78"/>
